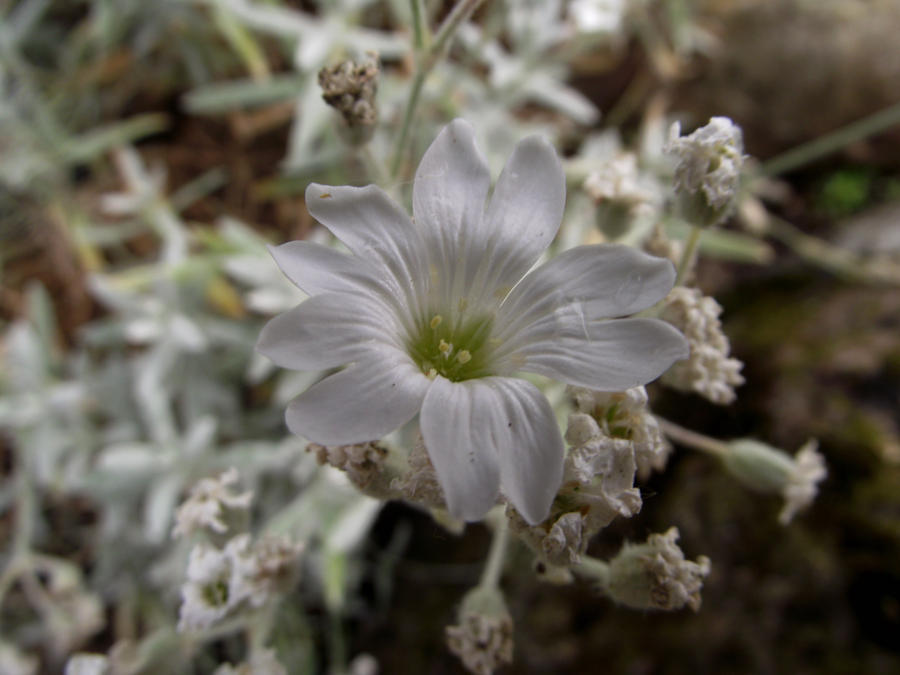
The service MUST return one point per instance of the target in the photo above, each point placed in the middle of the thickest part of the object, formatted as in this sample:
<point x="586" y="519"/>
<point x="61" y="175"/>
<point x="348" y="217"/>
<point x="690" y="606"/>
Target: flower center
<point x="457" y="350"/>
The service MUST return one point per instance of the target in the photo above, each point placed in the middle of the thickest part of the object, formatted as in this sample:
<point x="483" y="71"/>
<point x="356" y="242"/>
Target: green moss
<point x="844" y="192"/>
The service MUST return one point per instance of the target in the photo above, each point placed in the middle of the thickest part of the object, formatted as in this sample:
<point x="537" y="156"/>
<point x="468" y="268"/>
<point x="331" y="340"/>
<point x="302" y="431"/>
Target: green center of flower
<point x="456" y="350"/>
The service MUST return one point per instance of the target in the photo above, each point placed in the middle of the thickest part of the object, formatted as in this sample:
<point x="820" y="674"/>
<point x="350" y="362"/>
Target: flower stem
<point x="426" y="61"/>
<point x="420" y="28"/>
<point x="837" y="260"/>
<point x="493" y="568"/>
<point x="825" y="145"/>
<point x="687" y="257"/>
<point x="597" y="570"/>
<point x="411" y="103"/>
<point x="692" y="439"/>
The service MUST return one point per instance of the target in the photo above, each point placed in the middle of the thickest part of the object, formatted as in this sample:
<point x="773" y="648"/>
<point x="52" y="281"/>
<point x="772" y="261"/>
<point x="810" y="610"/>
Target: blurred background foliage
<point x="149" y="150"/>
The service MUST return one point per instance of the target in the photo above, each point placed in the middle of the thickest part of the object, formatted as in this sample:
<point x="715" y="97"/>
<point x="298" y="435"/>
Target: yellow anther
<point x="444" y="347"/>
<point x="464" y="356"/>
<point x="435" y="321"/>
<point x="431" y="374"/>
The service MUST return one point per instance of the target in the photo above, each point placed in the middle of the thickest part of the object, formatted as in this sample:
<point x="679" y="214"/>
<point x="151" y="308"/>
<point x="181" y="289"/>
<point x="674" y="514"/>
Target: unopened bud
<point x="766" y="469"/>
<point x="708" y="166"/>
<point x="483" y="636"/>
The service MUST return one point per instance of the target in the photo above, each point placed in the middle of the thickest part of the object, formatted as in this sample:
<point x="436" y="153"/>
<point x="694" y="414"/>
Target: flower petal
<point x="363" y="402"/>
<point x="478" y="428"/>
<point x="451" y="185"/>
<point x="449" y="193"/>
<point x="525" y="211"/>
<point x="606" y="356"/>
<point x="531" y="459"/>
<point x="315" y="268"/>
<point x="324" y="331"/>
<point x="375" y="229"/>
<point x="596" y="282"/>
<point x="456" y="424"/>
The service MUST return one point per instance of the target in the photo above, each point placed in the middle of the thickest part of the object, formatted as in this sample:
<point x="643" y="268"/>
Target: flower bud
<point x="766" y="469"/>
<point x="708" y="166"/>
<point x="482" y="637"/>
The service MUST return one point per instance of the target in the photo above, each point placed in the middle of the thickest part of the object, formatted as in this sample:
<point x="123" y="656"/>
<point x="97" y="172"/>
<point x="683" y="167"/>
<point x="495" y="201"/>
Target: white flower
<point x="219" y="581"/>
<point x="205" y="596"/>
<point x="211" y="505"/>
<point x="433" y="316"/>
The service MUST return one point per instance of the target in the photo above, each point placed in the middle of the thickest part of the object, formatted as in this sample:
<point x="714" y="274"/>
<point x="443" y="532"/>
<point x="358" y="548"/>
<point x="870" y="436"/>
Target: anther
<point x="436" y="321"/>
<point x="464" y="356"/>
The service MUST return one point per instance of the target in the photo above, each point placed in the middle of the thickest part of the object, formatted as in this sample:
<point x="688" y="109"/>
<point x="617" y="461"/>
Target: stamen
<point x="464" y="356"/>
<point x="445" y="347"/>
<point x="436" y="321"/>
<point x="431" y="374"/>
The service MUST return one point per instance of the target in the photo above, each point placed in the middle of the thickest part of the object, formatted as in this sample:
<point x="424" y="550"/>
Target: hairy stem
<point x="832" y="142"/>
<point x="692" y="439"/>
<point x="493" y="568"/>
<point x="687" y="257"/>
<point x="425" y="62"/>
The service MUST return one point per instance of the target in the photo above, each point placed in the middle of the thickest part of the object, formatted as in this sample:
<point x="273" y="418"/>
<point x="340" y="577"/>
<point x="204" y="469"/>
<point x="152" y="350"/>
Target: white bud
<point x="709" y="370"/>
<point x="766" y="469"/>
<point x="708" y="167"/>
<point x="483" y="635"/>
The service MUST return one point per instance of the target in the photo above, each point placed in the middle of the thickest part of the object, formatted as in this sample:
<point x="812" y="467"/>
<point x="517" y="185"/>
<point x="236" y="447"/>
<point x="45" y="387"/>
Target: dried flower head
<point x="655" y="575"/>
<point x="213" y="506"/>
<point x="349" y="87"/>
<point x="361" y="461"/>
<point x="438" y="315"/>
<point x="710" y="370"/>
<point x="621" y="415"/>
